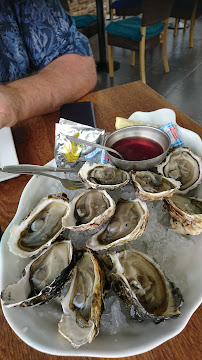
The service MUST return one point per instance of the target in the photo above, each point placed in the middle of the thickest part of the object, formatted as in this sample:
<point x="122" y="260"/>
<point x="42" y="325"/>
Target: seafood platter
<point x="117" y="263"/>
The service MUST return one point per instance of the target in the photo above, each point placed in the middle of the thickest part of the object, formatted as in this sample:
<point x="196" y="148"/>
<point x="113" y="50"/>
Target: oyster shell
<point x="128" y="223"/>
<point x="186" y="214"/>
<point x="43" y="278"/>
<point x="139" y="282"/>
<point x="82" y="304"/>
<point x="89" y="209"/>
<point x="40" y="228"/>
<point x="103" y="176"/>
<point x="151" y="186"/>
<point x="183" y="165"/>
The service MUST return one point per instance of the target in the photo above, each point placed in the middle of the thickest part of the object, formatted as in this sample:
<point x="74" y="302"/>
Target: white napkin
<point x="8" y="154"/>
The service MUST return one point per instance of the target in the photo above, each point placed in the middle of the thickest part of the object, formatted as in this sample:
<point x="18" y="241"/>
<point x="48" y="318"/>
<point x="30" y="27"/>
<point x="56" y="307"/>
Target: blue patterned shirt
<point x="32" y="34"/>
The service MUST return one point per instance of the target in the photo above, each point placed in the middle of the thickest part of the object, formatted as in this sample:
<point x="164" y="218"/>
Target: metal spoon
<point x="85" y="142"/>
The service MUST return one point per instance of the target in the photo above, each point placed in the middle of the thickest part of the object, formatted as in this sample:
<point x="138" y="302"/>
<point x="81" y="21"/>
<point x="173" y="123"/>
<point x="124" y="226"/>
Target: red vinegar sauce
<point x="137" y="148"/>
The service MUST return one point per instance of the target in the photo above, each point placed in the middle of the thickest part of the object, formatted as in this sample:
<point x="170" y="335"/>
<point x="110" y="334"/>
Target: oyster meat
<point x="143" y="287"/>
<point x="89" y="209"/>
<point x="40" y="228"/>
<point x="186" y="214"/>
<point x="43" y="278"/>
<point x="83" y="305"/>
<point x="103" y="176"/>
<point x="128" y="223"/>
<point x="183" y="165"/>
<point x="151" y="186"/>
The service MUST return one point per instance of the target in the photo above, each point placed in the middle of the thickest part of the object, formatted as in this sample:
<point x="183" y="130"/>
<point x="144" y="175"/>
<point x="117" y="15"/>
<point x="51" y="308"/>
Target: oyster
<point x="128" y="223"/>
<point x="151" y="186"/>
<point x="89" y="209"/>
<point x="183" y="165"/>
<point x="139" y="282"/>
<point x="43" y="278"/>
<point x="40" y="228"/>
<point x="83" y="304"/>
<point x="186" y="214"/>
<point x="103" y="176"/>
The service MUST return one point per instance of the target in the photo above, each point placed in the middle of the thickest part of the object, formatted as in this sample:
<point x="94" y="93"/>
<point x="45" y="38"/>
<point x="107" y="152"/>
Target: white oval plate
<point x="37" y="326"/>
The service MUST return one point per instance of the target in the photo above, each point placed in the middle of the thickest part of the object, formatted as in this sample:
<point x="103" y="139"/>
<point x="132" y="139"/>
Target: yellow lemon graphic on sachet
<point x="72" y="150"/>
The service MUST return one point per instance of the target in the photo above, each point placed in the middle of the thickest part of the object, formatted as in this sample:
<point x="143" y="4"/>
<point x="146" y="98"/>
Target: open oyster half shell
<point x="151" y="186"/>
<point x="99" y="176"/>
<point x="88" y="210"/>
<point x="128" y="223"/>
<point x="143" y="287"/>
<point x="83" y="305"/>
<point x="43" y="278"/>
<point x="40" y="228"/>
<point x="183" y="165"/>
<point x="186" y="214"/>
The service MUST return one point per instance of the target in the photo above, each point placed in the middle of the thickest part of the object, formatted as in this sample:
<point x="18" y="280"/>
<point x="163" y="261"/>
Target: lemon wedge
<point x="122" y="122"/>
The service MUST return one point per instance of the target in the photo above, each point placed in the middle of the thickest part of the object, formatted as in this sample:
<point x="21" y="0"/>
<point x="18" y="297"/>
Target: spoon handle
<point x="85" y="142"/>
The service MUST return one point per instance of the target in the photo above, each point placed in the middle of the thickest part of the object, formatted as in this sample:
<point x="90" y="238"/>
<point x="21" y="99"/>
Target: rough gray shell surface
<point x="40" y="228"/>
<point x="82" y="304"/>
<point x="99" y="176"/>
<point x="43" y="278"/>
<point x="151" y="186"/>
<point x="183" y="165"/>
<point x="143" y="287"/>
<point x="128" y="223"/>
<point x="88" y="210"/>
<point x="186" y="214"/>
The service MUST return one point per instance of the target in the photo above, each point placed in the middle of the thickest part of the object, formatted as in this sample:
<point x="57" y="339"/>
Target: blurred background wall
<point x="80" y="7"/>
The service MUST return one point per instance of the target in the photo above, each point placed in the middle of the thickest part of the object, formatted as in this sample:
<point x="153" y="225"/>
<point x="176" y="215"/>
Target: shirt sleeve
<point x="48" y="32"/>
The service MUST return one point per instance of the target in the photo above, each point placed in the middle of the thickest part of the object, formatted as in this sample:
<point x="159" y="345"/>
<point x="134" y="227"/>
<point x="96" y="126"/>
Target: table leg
<point x="103" y="64"/>
<point x="101" y="32"/>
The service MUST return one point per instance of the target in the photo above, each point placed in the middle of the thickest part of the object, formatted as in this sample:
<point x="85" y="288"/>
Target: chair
<point x="140" y="33"/>
<point x="125" y="8"/>
<point x="186" y="10"/>
<point x="86" y="23"/>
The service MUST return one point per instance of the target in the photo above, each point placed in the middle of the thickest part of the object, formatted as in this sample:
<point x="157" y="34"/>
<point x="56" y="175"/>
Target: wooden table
<point x="34" y="141"/>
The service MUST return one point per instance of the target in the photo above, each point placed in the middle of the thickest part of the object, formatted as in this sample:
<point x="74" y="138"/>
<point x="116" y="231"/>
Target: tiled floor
<point x="182" y="86"/>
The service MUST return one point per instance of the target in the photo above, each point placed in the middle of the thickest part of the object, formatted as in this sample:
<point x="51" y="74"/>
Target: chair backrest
<point x="155" y="11"/>
<point x="90" y="28"/>
<point x="183" y="9"/>
<point x="127" y="8"/>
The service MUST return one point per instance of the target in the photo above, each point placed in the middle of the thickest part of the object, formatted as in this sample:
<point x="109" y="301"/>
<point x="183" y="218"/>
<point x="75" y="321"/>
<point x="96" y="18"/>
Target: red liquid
<point x="137" y="148"/>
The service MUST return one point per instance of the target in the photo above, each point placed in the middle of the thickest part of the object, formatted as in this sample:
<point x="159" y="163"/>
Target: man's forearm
<point x="65" y="79"/>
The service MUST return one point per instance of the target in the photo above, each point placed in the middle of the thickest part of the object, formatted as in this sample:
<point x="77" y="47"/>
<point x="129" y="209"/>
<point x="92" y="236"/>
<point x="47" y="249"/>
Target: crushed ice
<point x="171" y="250"/>
<point x="113" y="320"/>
